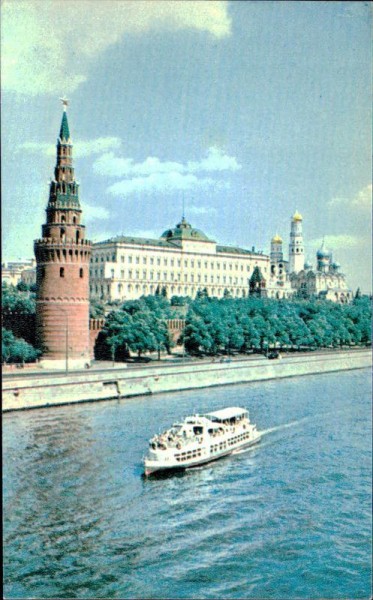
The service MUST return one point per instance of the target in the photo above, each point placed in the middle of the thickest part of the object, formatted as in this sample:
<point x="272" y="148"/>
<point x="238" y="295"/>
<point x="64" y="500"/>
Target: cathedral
<point x="299" y="278"/>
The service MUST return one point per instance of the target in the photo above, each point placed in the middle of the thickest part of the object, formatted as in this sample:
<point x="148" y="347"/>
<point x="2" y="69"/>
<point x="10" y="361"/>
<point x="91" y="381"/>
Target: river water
<point x="290" y="518"/>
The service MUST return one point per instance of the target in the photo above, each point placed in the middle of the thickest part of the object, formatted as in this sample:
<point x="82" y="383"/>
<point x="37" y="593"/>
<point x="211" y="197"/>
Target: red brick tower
<point x="62" y="256"/>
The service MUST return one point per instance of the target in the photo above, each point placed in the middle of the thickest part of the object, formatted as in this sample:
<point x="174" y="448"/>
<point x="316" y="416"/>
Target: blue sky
<point x="247" y="111"/>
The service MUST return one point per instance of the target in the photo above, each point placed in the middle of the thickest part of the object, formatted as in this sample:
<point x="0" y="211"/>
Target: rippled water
<point x="290" y="518"/>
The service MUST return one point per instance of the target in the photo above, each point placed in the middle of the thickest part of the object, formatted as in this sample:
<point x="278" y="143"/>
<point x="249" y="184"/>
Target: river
<point x="290" y="518"/>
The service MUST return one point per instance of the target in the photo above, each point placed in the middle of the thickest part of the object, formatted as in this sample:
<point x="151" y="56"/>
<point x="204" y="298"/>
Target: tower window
<point x="62" y="272"/>
<point x="74" y="220"/>
<point x="81" y="273"/>
<point x="63" y="219"/>
<point x="77" y="236"/>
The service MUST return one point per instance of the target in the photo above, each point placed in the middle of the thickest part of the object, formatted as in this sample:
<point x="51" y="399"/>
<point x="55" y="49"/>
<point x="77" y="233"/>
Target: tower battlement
<point x="55" y="242"/>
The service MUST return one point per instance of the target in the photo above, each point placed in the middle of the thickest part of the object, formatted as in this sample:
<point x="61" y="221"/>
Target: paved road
<point x="177" y="362"/>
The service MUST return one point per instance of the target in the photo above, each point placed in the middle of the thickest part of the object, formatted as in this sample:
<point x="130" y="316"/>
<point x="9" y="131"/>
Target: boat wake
<point x="285" y="425"/>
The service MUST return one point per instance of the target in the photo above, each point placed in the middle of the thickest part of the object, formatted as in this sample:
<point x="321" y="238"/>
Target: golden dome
<point x="277" y="239"/>
<point x="297" y="216"/>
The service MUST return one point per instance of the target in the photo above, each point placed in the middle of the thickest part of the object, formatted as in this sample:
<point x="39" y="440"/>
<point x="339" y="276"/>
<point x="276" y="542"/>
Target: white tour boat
<point x="201" y="439"/>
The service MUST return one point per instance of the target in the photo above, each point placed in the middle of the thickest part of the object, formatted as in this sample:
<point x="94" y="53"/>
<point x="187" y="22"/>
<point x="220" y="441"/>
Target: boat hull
<point x="158" y="468"/>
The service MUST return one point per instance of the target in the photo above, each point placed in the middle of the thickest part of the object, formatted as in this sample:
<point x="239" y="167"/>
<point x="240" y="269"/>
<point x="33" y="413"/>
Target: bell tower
<point x="296" y="247"/>
<point x="62" y="275"/>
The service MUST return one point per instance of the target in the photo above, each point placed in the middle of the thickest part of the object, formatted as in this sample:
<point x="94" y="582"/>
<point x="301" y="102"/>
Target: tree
<point x="96" y="309"/>
<point x="16" y="301"/>
<point x="16" y="350"/>
<point x="196" y="337"/>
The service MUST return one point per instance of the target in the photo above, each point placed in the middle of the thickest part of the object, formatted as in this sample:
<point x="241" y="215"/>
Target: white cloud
<point x="47" y="45"/>
<point x="159" y="182"/>
<point x="113" y="166"/>
<point x="91" y="213"/>
<point x="362" y="200"/>
<point x="215" y="161"/>
<point x="154" y="175"/>
<point x="81" y="149"/>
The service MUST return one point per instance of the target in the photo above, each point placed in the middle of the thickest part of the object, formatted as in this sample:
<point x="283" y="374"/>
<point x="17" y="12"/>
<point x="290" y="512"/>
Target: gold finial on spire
<point x="65" y="103"/>
<point x="297" y="216"/>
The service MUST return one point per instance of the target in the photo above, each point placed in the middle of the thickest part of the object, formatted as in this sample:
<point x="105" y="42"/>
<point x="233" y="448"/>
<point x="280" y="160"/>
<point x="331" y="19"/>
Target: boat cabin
<point x="228" y="416"/>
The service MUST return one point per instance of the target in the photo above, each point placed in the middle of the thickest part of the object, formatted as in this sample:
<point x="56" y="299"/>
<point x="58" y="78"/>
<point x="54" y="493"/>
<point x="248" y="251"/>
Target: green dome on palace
<point x="184" y="231"/>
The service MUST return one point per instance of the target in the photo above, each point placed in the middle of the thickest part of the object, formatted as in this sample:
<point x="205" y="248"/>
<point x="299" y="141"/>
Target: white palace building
<point x="184" y="261"/>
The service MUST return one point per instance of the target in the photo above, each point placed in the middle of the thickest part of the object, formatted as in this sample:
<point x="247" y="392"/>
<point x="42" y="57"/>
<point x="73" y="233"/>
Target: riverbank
<point x="20" y="393"/>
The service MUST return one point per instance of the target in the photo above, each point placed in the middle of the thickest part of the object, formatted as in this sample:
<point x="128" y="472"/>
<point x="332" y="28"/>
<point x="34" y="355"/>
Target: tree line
<point x="212" y="326"/>
<point x="258" y="324"/>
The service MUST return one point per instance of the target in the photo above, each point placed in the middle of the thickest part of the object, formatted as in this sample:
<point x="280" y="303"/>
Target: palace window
<point x="62" y="272"/>
<point x="130" y="259"/>
<point x="122" y="274"/>
<point x="137" y="260"/>
<point x="144" y="260"/>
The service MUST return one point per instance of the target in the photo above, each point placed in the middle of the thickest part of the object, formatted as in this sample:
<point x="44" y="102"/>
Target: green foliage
<point x="256" y="324"/>
<point x="180" y="300"/>
<point x="17" y="301"/>
<point x="96" y="309"/>
<point x="138" y="326"/>
<point x="16" y="350"/>
<point x="231" y="325"/>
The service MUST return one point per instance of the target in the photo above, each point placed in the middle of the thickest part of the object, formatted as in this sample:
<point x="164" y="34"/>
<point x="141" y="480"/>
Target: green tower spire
<point x="64" y="130"/>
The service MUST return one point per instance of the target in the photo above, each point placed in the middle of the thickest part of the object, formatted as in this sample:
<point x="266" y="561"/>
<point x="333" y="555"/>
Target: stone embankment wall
<point x="46" y="390"/>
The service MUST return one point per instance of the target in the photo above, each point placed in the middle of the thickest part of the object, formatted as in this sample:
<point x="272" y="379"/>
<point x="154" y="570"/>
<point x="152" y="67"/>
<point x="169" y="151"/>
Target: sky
<point x="240" y="112"/>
